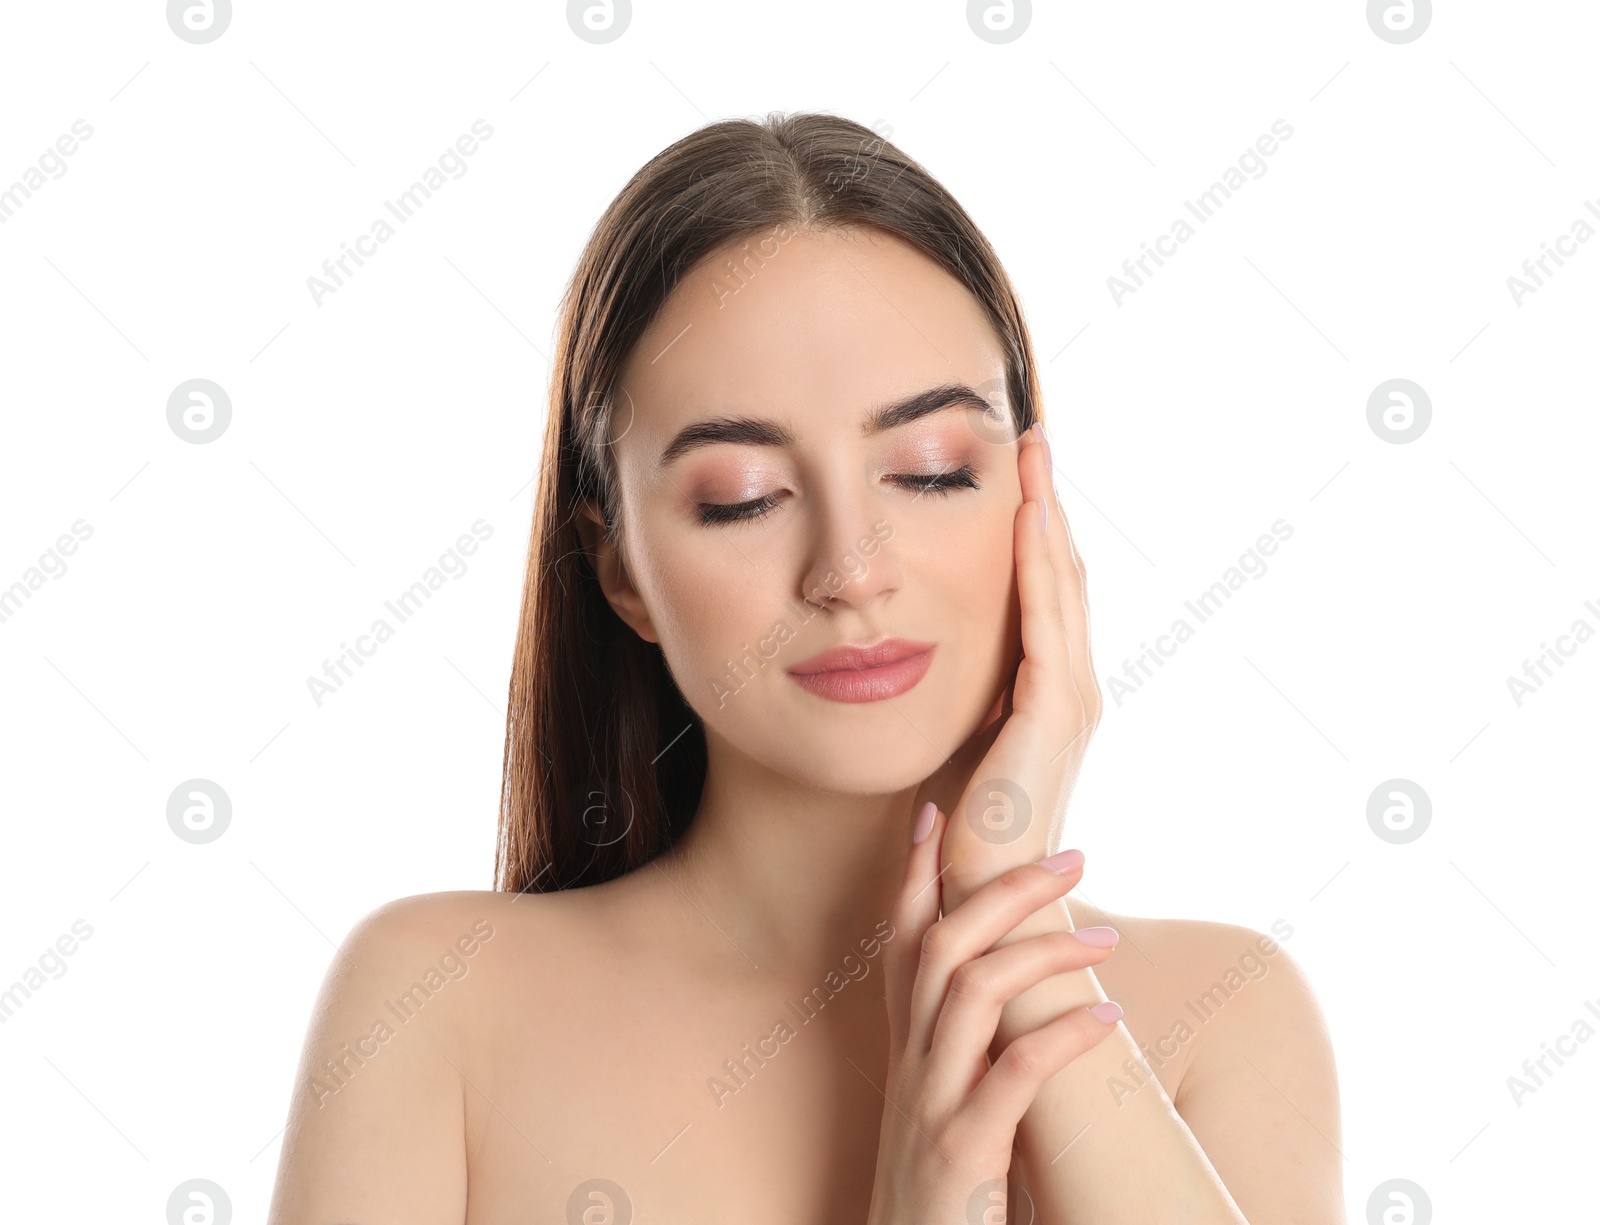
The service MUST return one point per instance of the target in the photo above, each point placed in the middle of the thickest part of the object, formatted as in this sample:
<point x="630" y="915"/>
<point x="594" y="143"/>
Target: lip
<point x="867" y="673"/>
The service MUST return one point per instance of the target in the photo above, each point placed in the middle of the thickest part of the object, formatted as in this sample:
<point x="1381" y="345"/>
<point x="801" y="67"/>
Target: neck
<point x="790" y="875"/>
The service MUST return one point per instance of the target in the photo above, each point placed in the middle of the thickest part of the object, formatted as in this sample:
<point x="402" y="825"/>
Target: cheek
<point x="972" y="559"/>
<point x="971" y="570"/>
<point x="709" y="605"/>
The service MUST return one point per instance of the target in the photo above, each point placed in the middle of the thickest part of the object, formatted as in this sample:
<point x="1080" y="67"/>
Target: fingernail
<point x="924" y="823"/>
<point x="1044" y="514"/>
<point x="1100" y="937"/>
<point x="1108" y="1011"/>
<point x="1062" y="861"/>
<point x="1039" y="427"/>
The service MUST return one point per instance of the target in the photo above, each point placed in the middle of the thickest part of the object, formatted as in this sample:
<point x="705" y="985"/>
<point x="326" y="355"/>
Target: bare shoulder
<point x="377" y="1114"/>
<point x="461" y="956"/>
<point x="1201" y="984"/>
<point x="1254" y="1075"/>
<point x="426" y="919"/>
<point x="469" y="920"/>
<point x="407" y="956"/>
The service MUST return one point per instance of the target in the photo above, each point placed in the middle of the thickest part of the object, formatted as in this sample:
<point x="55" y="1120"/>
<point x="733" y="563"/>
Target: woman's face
<point x="782" y="524"/>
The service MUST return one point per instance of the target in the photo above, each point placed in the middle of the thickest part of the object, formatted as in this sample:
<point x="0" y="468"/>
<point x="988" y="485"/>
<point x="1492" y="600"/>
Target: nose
<point x="850" y="561"/>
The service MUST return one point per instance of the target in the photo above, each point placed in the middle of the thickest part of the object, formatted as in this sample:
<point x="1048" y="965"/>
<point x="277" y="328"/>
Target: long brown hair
<point x="604" y="758"/>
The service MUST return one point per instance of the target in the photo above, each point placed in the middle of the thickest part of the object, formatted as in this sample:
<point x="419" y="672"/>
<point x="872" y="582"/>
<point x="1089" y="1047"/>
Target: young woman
<point x="801" y="687"/>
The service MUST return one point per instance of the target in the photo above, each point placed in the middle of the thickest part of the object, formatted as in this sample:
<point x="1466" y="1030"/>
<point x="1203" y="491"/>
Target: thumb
<point x="916" y="910"/>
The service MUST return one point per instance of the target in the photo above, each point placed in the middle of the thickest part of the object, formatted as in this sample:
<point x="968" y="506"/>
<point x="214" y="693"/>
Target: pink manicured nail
<point x="1044" y="514"/>
<point x="1038" y="428"/>
<point x="924" y="824"/>
<point x="1100" y="937"/>
<point x="1108" y="1011"/>
<point x="1062" y="861"/>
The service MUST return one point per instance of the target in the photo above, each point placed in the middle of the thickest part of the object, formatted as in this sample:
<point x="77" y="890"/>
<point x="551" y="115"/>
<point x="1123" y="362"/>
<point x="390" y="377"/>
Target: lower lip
<point x="867" y="684"/>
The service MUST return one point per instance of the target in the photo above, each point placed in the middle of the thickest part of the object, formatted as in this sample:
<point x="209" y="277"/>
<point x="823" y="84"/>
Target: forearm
<point x="1102" y="1141"/>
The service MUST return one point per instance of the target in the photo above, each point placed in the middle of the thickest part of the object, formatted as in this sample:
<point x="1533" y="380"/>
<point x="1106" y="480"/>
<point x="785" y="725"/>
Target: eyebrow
<point x="759" y="432"/>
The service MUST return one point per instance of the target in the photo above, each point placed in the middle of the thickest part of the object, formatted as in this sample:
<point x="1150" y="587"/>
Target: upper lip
<point x="851" y="658"/>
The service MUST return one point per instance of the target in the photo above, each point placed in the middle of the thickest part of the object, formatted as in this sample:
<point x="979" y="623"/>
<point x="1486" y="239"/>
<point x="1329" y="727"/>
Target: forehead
<point x="813" y="329"/>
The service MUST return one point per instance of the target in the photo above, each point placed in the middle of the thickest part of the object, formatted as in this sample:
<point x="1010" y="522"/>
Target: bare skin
<point x="583" y="1038"/>
<point x="586" y="1035"/>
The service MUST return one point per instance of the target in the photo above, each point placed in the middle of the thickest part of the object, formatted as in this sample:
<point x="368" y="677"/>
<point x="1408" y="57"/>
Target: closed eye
<point x="938" y="483"/>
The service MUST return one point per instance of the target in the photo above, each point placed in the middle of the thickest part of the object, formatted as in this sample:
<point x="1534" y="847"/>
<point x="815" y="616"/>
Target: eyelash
<point x="942" y="484"/>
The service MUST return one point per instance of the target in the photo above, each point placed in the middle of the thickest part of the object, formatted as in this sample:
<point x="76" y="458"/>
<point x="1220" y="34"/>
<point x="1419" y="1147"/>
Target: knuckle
<point x="971" y="982"/>
<point x="935" y="944"/>
<point x="1025" y="1059"/>
<point x="1014" y="880"/>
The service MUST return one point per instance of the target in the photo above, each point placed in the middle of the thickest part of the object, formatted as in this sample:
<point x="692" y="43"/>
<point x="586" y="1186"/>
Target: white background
<point x="370" y="431"/>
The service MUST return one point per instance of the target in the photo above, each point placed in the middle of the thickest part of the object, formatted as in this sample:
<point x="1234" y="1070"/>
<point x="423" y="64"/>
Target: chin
<point x="853" y="772"/>
<point x="869" y="748"/>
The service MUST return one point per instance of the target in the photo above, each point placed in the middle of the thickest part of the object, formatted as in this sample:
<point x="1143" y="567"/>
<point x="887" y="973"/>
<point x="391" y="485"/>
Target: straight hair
<point x="604" y="758"/>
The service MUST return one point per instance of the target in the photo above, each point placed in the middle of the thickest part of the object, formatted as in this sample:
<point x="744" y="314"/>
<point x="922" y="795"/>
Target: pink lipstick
<point x="868" y="673"/>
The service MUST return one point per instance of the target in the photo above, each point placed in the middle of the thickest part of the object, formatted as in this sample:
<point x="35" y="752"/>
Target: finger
<point x="1009" y="1087"/>
<point x="982" y="987"/>
<point x="1072" y="580"/>
<point x="973" y="928"/>
<point x="1075" y="619"/>
<point x="1040" y="482"/>
<point x="1044" y="640"/>
<point x="916" y="910"/>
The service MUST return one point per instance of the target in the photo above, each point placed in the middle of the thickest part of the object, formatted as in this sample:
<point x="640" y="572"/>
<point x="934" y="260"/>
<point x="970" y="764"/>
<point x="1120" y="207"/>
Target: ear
<point x="609" y="566"/>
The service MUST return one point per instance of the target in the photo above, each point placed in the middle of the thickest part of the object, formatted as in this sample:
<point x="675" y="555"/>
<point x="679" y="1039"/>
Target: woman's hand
<point x="950" y="1119"/>
<point x="1007" y="788"/>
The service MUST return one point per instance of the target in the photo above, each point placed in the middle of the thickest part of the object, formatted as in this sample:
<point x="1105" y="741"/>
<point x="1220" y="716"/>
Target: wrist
<point x="1041" y="1004"/>
<point x="968" y="872"/>
<point x="1054" y="996"/>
